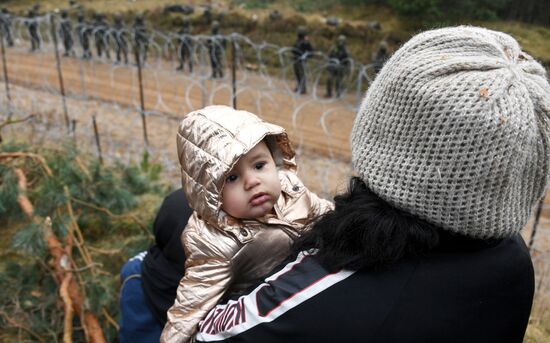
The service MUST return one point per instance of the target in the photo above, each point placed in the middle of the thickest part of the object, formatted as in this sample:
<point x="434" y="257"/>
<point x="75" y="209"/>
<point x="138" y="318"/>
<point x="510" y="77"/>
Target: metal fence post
<point x="59" y="73"/>
<point x="234" y="71"/>
<point x="6" y="77"/>
<point x="97" y="142"/>
<point x="141" y="96"/>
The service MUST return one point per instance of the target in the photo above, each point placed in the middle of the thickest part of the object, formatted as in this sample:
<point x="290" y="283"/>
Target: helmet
<point x="185" y="26"/>
<point x="215" y="27"/>
<point x="341" y="40"/>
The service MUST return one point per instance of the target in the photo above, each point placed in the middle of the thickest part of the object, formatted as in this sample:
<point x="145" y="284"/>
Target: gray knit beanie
<point x="455" y="130"/>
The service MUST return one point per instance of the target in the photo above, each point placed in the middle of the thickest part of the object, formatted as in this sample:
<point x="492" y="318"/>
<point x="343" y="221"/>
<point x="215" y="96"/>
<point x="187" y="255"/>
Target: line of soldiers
<point x="216" y="44"/>
<point x="103" y="34"/>
<point x="99" y="30"/>
<point x="338" y="64"/>
<point x="339" y="59"/>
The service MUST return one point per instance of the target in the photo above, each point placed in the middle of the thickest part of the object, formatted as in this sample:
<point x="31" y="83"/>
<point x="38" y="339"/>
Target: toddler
<point x="239" y="176"/>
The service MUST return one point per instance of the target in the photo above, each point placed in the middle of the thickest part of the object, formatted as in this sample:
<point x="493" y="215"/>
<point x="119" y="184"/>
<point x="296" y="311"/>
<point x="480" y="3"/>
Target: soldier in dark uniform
<point x="380" y="56"/>
<point x="216" y="49"/>
<point x="275" y="15"/>
<point x="300" y="52"/>
<point x="101" y="38"/>
<point x="32" y="26"/>
<point x="119" y="36"/>
<point x="185" y="48"/>
<point x="65" y="32"/>
<point x="141" y="38"/>
<point x="207" y="13"/>
<point x="83" y="32"/>
<point x="337" y="66"/>
<point x="5" y="26"/>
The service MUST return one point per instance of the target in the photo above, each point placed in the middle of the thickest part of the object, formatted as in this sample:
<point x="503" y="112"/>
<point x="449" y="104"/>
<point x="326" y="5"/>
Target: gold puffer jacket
<point x="224" y="253"/>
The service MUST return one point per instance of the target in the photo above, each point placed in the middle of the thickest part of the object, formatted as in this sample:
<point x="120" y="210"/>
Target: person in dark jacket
<point x="6" y="26"/>
<point x="150" y="279"/>
<point x="101" y="38"/>
<point x="380" y="57"/>
<point x="338" y="63"/>
<point x="83" y="33"/>
<point x="300" y="53"/>
<point x="32" y="25"/>
<point x="119" y="34"/>
<point x="141" y="39"/>
<point x="425" y="245"/>
<point x="66" y="32"/>
<point x="216" y="49"/>
<point x="185" y="46"/>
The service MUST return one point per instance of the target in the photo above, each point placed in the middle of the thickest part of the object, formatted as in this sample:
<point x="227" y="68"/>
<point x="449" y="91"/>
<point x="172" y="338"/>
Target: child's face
<point x="252" y="187"/>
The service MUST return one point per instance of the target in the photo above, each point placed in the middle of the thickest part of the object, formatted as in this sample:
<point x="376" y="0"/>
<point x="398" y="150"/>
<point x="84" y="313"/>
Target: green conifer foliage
<point x="104" y="213"/>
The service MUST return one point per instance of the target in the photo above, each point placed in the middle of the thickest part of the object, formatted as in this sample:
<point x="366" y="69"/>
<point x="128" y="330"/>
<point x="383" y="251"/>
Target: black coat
<point x="301" y="49"/>
<point x="164" y="265"/>
<point x="463" y="291"/>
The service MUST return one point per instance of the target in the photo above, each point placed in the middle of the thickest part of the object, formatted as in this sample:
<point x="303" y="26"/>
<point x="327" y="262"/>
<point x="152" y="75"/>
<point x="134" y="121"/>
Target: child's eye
<point x="231" y="178"/>
<point x="259" y="165"/>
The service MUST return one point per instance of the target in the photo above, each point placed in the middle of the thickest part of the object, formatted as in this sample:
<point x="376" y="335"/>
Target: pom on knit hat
<point x="455" y="130"/>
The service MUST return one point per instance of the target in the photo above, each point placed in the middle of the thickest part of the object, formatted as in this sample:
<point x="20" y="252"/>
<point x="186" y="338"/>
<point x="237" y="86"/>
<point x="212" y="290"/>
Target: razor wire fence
<point x="124" y="91"/>
<point x="255" y="77"/>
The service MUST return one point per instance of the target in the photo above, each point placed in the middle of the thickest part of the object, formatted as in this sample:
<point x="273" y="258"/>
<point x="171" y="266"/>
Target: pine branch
<point x="110" y="319"/>
<point x="75" y="228"/>
<point x="22" y="199"/>
<point x="62" y="274"/>
<point x="83" y="168"/>
<point x="39" y="158"/>
<point x="61" y="180"/>
<point x="105" y="251"/>
<point x="68" y="308"/>
<point x="89" y="322"/>
<point x="12" y="121"/>
<point x="20" y="326"/>
<point x="116" y="216"/>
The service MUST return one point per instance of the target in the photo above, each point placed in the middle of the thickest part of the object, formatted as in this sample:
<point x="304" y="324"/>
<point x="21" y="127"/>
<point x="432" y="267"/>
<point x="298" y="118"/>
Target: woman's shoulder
<point x="480" y="263"/>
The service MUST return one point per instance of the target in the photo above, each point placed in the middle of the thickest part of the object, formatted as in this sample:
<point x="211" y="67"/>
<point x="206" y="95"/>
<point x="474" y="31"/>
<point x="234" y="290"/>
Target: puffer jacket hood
<point x="210" y="142"/>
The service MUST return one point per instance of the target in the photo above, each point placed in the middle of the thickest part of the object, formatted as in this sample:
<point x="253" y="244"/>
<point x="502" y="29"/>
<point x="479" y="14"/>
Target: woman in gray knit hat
<point x="451" y="149"/>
